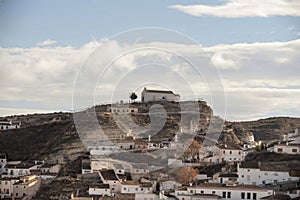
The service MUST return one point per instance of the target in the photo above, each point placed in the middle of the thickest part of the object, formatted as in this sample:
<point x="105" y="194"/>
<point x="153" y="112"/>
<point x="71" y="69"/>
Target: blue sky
<point x="254" y="44"/>
<point x="25" y="23"/>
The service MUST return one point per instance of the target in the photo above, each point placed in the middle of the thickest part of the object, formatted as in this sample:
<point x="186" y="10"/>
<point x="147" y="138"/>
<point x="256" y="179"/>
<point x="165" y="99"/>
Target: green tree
<point x="133" y="96"/>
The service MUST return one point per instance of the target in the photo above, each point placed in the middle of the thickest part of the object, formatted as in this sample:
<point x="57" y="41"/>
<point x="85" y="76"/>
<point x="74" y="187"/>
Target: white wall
<point x="230" y="192"/>
<point x="7" y="185"/>
<point x="158" y="96"/>
<point x="135" y="189"/>
<point x="100" y="191"/>
<point x="288" y="149"/>
<point x="255" y="176"/>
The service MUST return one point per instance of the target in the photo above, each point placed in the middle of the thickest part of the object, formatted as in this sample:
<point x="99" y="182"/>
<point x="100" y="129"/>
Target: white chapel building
<point x="159" y="95"/>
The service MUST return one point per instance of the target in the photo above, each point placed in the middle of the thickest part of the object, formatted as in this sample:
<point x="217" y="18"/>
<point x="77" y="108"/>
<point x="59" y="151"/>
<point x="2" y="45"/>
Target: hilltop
<point x="54" y="137"/>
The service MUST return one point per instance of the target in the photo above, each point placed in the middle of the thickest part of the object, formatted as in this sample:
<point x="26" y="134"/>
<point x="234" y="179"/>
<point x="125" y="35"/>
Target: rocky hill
<point x="54" y="137"/>
<point x="266" y="130"/>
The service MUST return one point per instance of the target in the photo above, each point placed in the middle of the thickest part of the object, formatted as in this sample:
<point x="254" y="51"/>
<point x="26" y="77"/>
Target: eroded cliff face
<point x="266" y="130"/>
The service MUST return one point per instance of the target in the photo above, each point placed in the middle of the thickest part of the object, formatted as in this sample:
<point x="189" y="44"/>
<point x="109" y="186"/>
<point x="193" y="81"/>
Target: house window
<point x="254" y="196"/>
<point x="279" y="149"/>
<point x="230" y="152"/>
<point x="213" y="192"/>
<point x="228" y="195"/>
<point x="243" y="195"/>
<point x="248" y="195"/>
<point x="202" y="191"/>
<point x="294" y="150"/>
<point x="224" y="195"/>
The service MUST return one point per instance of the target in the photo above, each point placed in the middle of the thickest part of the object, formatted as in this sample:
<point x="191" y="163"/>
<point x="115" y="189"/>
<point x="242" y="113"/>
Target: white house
<point x="267" y="173"/>
<point x="221" y="191"/>
<point x="139" y="170"/>
<point x="103" y="149"/>
<point x="27" y="186"/>
<point x="6" y="186"/>
<point x="158" y="95"/>
<point x="108" y="176"/>
<point x="222" y="153"/>
<point x="5" y="125"/>
<point x="122" y="109"/>
<point x="224" y="177"/>
<point x="134" y="187"/>
<point x="287" y="148"/>
<point x="21" y="169"/>
<point x="100" y="189"/>
<point x="50" y="168"/>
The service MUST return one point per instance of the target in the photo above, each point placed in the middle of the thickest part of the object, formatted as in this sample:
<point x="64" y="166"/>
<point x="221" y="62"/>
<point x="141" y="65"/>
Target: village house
<point x="122" y="109"/>
<point x="100" y="189"/>
<point x="27" y="186"/>
<point x="158" y="95"/>
<point x="264" y="173"/>
<point x="5" y="125"/>
<point x="109" y="177"/>
<point x="222" y="153"/>
<point x="222" y="191"/>
<point x="98" y="163"/>
<point x="125" y="144"/>
<point x="140" y="145"/>
<point x="101" y="150"/>
<point x="287" y="148"/>
<point x="135" y="187"/>
<point x="21" y="169"/>
<point x="50" y="168"/>
<point x="224" y="177"/>
<point x="139" y="170"/>
<point x="6" y="186"/>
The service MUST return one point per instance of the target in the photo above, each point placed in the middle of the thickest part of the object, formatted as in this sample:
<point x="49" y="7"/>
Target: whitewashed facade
<point x="5" y="125"/>
<point x="132" y="187"/>
<point x="223" y="192"/>
<point x="287" y="148"/>
<point x="122" y="109"/>
<point x="257" y="176"/>
<point x="158" y="95"/>
<point x="6" y="186"/>
<point x="100" y="189"/>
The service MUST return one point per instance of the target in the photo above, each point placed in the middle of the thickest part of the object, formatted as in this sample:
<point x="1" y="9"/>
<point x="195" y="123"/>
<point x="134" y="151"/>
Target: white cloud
<point x="46" y="43"/>
<point x="244" y="8"/>
<point x="260" y="79"/>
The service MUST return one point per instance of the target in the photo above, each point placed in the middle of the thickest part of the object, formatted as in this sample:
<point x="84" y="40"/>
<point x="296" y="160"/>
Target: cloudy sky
<point x="254" y="45"/>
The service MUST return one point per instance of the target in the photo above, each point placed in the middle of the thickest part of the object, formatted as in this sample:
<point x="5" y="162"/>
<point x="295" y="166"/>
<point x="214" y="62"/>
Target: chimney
<point x="149" y="138"/>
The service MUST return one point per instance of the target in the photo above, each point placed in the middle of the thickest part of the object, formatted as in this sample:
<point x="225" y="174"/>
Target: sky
<point x="46" y="46"/>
